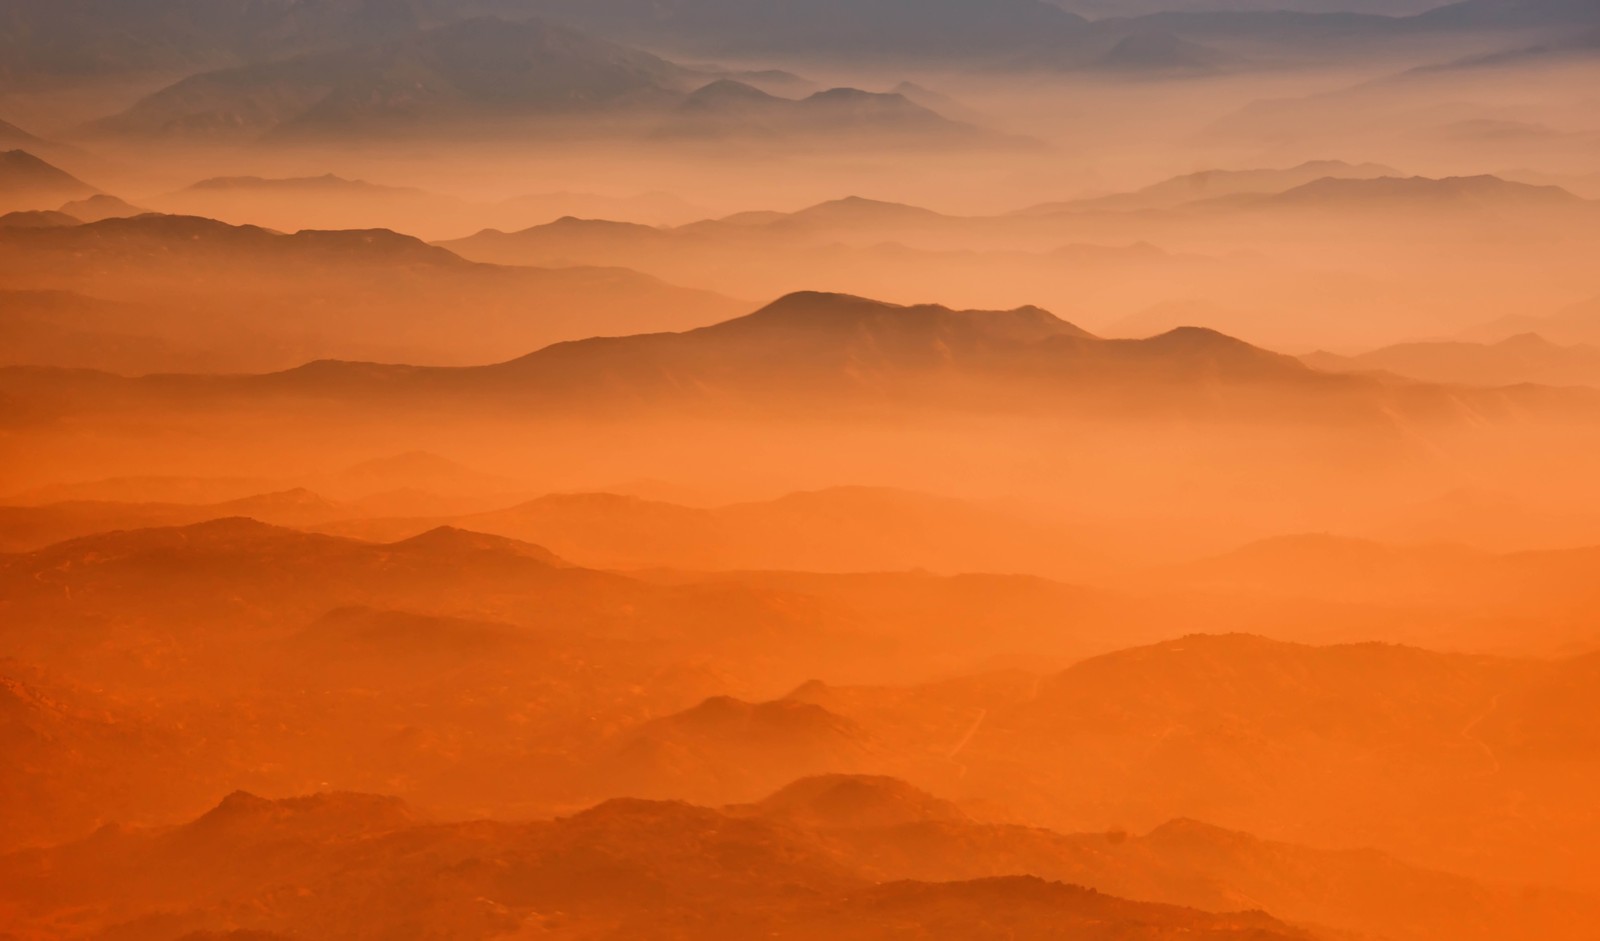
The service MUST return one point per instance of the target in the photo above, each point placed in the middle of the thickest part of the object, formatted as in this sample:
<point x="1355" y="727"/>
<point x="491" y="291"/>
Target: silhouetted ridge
<point x="817" y="311"/>
<point x="724" y="714"/>
<point x="1482" y="190"/>
<point x="327" y="182"/>
<point x="164" y="233"/>
<point x="1156" y="50"/>
<point x="856" y="800"/>
<point x="858" y="208"/>
<point x="101" y="206"/>
<point x="243" y="816"/>
<point x="22" y="174"/>
<point x="1479" y="14"/>
<point x="475" y="69"/>
<point x="726" y="93"/>
<point x="449" y="539"/>
<point x="38" y="219"/>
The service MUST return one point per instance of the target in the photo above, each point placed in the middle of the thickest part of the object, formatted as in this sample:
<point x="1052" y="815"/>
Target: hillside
<point x="259" y="299"/>
<point x="1524" y="358"/>
<point x="26" y="182"/>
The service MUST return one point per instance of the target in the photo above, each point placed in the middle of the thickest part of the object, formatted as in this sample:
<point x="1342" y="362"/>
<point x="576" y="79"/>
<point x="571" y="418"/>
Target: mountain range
<point x="330" y="201"/>
<point x="1577" y="324"/>
<point x="26" y="182"/>
<point x="498" y="77"/>
<point x="844" y="355"/>
<point x="98" y="39"/>
<point x="91" y="38"/>
<point x="599" y="871"/>
<point x="728" y="110"/>
<point x="1257" y="731"/>
<point x="1239" y="247"/>
<point x="1213" y="184"/>
<point x="871" y="854"/>
<point x="1525" y="358"/>
<point x="289" y="298"/>
<point x="475" y="70"/>
<point x="815" y="470"/>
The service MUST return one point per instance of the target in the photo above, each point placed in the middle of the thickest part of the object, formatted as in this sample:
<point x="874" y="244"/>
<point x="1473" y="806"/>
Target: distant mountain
<point x="900" y="831"/>
<point x="15" y="138"/>
<point x="1211" y="184"/>
<point x="1155" y="52"/>
<point x="952" y="31"/>
<point x="1525" y="358"/>
<point x="321" y="202"/>
<point x="870" y="247"/>
<point x="852" y="352"/>
<point x="12" y="136"/>
<point x="333" y="202"/>
<point x="771" y="630"/>
<point x="249" y="559"/>
<point x="1098" y="9"/>
<point x="725" y="751"/>
<point x="37" y="219"/>
<point x="101" y="207"/>
<point x="848" y="801"/>
<point x="1577" y="324"/>
<point x="492" y="77"/>
<point x="327" y="185"/>
<point x="579" y="240"/>
<point x="475" y="71"/>
<point x="1209" y="249"/>
<point x="836" y="856"/>
<point x="1495" y="14"/>
<point x="647" y="208"/>
<point x="810" y="354"/>
<point x="1252" y="733"/>
<point x="839" y="529"/>
<point x="666" y="870"/>
<point x="1567" y="49"/>
<point x="286" y="299"/>
<point x="730" y="111"/>
<point x="101" y="38"/>
<point x="79" y="39"/>
<point x="26" y="528"/>
<point x="857" y="211"/>
<point x="1474" y="192"/>
<point x="26" y="182"/>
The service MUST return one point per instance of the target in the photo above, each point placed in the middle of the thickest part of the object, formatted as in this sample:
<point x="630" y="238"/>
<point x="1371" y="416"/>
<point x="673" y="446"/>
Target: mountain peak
<point x="857" y="801"/>
<point x="1482" y="189"/>
<point x="38" y="219"/>
<point x="454" y="540"/>
<point x="857" y="207"/>
<point x="1202" y="339"/>
<point x="22" y="175"/>
<point x="824" y="311"/>
<point x="332" y="814"/>
<point x="726" y="91"/>
<point x="1531" y="342"/>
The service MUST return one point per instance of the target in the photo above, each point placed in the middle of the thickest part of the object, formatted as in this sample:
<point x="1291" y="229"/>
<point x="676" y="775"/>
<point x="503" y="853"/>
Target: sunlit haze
<point x="820" y="470"/>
